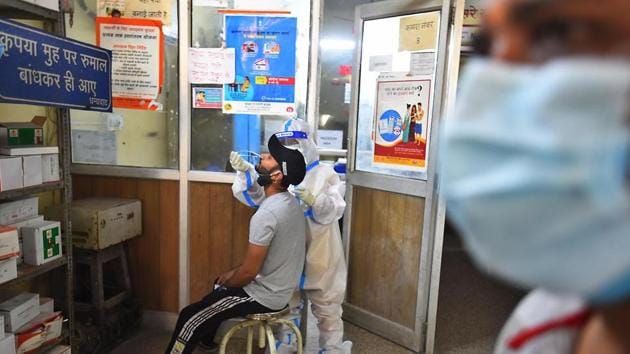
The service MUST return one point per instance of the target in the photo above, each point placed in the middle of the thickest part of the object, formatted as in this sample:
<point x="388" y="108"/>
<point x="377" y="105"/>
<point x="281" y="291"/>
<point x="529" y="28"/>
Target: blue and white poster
<point x="40" y="68"/>
<point x="265" y="65"/>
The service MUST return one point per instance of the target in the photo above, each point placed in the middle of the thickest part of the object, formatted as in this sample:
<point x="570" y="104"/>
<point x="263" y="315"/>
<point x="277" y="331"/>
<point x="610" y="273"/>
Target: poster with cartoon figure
<point x="401" y="121"/>
<point x="265" y="65"/>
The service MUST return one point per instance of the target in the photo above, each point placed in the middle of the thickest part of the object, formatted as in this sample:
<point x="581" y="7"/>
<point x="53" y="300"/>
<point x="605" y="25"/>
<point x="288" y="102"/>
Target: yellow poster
<point x="419" y="32"/>
<point x="473" y="13"/>
<point x="144" y="9"/>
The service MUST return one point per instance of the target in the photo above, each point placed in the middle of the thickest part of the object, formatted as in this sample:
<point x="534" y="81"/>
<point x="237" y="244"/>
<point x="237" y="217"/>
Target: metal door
<point x="405" y="65"/>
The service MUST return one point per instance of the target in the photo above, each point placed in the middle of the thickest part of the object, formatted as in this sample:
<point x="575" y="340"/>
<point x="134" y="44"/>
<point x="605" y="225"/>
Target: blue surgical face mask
<point x="534" y="168"/>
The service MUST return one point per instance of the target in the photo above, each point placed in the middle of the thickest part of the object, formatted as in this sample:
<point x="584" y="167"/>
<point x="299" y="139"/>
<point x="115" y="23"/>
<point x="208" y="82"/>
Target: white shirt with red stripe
<point x="543" y="323"/>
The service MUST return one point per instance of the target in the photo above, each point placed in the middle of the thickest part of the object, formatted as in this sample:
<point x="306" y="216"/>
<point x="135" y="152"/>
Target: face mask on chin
<point x="534" y="168"/>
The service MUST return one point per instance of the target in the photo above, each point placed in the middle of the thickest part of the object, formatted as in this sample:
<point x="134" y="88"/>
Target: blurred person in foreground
<point x="535" y="168"/>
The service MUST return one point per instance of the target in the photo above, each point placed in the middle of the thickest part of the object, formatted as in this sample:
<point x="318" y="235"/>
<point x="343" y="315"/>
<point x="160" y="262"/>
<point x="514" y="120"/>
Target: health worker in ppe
<point x="535" y="169"/>
<point x="321" y="196"/>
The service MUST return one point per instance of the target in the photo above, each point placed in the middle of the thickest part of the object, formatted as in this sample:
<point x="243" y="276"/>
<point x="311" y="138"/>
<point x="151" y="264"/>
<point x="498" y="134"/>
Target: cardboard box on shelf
<point x="32" y="169"/>
<point x="18" y="210"/>
<point x="19" y="225"/>
<point x="28" y="150"/>
<point x="11" y="174"/>
<point x="18" y="309"/>
<point x="8" y="270"/>
<point x="9" y="245"/>
<point x="50" y="168"/>
<point x="46" y="304"/>
<point x="7" y="344"/>
<point x="42" y="242"/>
<point x="42" y="330"/>
<point x="16" y="134"/>
<point x="98" y="223"/>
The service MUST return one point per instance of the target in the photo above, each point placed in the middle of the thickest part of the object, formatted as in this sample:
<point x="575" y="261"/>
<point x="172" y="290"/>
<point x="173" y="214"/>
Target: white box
<point x="12" y="212"/>
<point x="50" y="168"/>
<point x="28" y="150"/>
<point x="9" y="245"/>
<point x="18" y="310"/>
<point x="46" y="305"/>
<point x="32" y="168"/>
<point x="8" y="270"/>
<point x="19" y="225"/>
<point x="7" y="345"/>
<point x="42" y="242"/>
<point x="60" y="349"/>
<point x="11" y="176"/>
<point x="49" y="4"/>
<point x="98" y="223"/>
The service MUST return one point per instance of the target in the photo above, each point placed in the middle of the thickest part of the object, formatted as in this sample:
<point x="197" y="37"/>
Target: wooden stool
<point x="95" y="259"/>
<point x="264" y="321"/>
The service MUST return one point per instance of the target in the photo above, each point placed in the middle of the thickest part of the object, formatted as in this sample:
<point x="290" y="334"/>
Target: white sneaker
<point x="345" y="348"/>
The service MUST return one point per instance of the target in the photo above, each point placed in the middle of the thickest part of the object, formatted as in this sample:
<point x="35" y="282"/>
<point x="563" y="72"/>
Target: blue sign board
<point x="265" y="65"/>
<point x="39" y="68"/>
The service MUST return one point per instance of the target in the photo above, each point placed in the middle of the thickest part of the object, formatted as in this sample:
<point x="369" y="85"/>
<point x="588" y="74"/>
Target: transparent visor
<point x="250" y="156"/>
<point x="291" y="139"/>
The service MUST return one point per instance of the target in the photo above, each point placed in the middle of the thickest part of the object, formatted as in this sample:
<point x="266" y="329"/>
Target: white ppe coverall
<point x="325" y="270"/>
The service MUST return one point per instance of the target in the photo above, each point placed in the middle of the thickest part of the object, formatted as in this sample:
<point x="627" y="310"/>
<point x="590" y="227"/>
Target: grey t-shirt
<point x="278" y="223"/>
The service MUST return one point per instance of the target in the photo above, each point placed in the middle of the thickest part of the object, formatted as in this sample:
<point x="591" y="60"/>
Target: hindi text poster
<point x="419" y="32"/>
<point x="137" y="63"/>
<point x="158" y="10"/>
<point x="211" y="65"/>
<point x="403" y="114"/>
<point x="265" y="65"/>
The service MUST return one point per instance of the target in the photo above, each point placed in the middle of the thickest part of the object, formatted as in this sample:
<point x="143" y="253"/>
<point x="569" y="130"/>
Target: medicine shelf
<point x="27" y="271"/>
<point x="22" y="192"/>
<point x="20" y="10"/>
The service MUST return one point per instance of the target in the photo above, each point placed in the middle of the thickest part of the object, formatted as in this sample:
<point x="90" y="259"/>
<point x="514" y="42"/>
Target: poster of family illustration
<point x="401" y="121"/>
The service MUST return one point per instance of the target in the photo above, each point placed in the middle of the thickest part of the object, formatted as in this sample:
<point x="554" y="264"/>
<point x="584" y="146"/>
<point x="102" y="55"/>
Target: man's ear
<point x="277" y="178"/>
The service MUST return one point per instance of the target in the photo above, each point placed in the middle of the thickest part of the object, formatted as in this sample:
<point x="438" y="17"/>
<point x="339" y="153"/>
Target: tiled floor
<point x="472" y="309"/>
<point x="153" y="341"/>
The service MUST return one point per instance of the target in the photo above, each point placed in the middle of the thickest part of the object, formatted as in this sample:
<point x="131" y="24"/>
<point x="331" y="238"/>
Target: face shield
<point x="306" y="143"/>
<point x="292" y="139"/>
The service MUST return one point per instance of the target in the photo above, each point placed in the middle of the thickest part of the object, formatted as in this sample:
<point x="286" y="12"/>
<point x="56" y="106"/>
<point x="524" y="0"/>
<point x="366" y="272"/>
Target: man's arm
<point x="246" y="272"/>
<point x="246" y="190"/>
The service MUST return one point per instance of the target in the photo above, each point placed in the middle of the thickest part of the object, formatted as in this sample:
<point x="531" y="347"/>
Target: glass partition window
<point x="129" y="137"/>
<point x="337" y="41"/>
<point x="213" y="133"/>
<point x="396" y="92"/>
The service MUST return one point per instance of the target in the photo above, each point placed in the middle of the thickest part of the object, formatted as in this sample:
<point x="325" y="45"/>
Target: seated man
<point x="273" y="263"/>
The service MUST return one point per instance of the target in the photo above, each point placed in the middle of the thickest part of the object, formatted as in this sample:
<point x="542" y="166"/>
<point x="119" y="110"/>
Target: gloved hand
<point x="305" y="195"/>
<point x="238" y="162"/>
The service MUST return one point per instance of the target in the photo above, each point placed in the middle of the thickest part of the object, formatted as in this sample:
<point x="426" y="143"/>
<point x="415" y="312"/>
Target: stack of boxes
<point x="26" y="237"/>
<point x="9" y="253"/>
<point x="25" y="161"/>
<point x="14" y="216"/>
<point x="28" y="322"/>
<point x="37" y="241"/>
